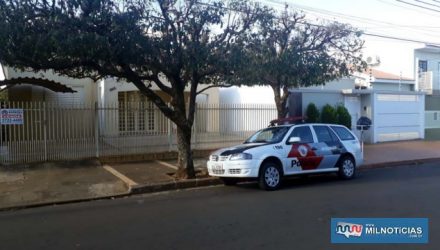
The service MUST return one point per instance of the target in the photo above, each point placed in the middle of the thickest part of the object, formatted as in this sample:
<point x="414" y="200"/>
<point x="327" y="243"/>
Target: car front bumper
<point x="241" y="168"/>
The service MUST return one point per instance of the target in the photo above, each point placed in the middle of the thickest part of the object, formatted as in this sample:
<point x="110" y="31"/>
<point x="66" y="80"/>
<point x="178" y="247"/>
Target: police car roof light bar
<point x="288" y="120"/>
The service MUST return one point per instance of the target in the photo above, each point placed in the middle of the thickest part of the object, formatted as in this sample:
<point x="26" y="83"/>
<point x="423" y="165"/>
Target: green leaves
<point x="312" y="113"/>
<point x="344" y="117"/>
<point x="328" y="114"/>
<point x="286" y="51"/>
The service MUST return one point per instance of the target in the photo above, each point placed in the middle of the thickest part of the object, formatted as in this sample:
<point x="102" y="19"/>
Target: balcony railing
<point x="425" y="82"/>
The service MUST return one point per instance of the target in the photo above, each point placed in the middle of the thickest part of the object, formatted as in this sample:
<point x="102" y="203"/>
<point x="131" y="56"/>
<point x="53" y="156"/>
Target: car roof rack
<point x="291" y="120"/>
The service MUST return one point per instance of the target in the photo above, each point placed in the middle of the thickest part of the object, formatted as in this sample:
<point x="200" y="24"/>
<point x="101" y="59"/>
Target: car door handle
<point x="314" y="149"/>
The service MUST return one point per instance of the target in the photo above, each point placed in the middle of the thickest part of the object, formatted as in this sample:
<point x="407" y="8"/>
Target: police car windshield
<point x="268" y="135"/>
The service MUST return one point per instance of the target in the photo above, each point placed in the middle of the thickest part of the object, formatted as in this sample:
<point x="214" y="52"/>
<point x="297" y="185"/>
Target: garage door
<point x="399" y="117"/>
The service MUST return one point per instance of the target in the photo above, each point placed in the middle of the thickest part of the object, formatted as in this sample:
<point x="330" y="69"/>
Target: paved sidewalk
<point x="56" y="182"/>
<point x="398" y="152"/>
<point x="63" y="182"/>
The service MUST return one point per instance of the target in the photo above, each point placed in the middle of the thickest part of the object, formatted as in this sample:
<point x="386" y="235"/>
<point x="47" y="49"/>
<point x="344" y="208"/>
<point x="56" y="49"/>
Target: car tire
<point x="347" y="168"/>
<point x="270" y="176"/>
<point x="229" y="181"/>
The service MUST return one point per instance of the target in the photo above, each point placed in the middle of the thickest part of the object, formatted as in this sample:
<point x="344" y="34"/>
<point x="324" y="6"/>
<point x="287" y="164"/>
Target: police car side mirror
<point x="293" y="140"/>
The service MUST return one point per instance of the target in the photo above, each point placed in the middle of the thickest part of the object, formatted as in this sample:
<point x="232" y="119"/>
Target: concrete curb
<point x="397" y="163"/>
<point x="173" y="185"/>
<point x="192" y="183"/>
<point x="133" y="190"/>
<point x="54" y="203"/>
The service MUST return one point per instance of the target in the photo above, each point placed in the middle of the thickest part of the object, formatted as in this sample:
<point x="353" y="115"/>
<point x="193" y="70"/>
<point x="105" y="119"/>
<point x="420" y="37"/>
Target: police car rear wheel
<point x="347" y="168"/>
<point x="229" y="181"/>
<point x="270" y="176"/>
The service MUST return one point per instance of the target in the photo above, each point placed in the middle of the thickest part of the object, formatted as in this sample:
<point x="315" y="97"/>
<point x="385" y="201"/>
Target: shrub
<point x="328" y="114"/>
<point x="312" y="113"/>
<point x="343" y="117"/>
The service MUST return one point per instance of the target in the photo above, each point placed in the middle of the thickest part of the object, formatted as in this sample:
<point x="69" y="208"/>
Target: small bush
<point x="312" y="113"/>
<point x="343" y="117"/>
<point x="328" y="114"/>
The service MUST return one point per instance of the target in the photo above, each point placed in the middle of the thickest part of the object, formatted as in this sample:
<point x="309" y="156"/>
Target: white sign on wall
<point x="11" y="116"/>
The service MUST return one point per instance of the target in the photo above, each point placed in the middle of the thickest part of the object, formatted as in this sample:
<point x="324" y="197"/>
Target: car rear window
<point x="343" y="133"/>
<point x="324" y="134"/>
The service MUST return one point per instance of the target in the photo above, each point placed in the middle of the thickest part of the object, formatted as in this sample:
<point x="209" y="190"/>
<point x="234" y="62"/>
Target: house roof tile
<point x="385" y="75"/>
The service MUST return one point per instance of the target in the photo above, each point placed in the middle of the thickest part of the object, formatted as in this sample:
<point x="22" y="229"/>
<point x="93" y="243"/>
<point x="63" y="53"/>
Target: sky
<point x="392" y="18"/>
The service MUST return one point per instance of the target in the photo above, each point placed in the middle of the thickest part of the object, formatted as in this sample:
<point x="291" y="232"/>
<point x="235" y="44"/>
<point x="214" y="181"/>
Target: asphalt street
<point x="242" y="217"/>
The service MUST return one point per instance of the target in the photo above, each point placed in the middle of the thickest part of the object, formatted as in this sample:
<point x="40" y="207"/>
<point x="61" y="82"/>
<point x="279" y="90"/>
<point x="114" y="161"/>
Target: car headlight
<point x="240" y="156"/>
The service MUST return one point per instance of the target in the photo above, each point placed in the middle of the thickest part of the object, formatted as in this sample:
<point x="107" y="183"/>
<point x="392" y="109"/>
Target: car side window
<point x="343" y="133"/>
<point x="302" y="132"/>
<point x="324" y="134"/>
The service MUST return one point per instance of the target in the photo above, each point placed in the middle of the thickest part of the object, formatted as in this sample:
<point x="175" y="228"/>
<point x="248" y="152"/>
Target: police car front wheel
<point x="270" y="176"/>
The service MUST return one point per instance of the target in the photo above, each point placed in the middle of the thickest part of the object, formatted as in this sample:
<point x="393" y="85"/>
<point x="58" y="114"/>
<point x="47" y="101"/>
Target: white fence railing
<point x="55" y="132"/>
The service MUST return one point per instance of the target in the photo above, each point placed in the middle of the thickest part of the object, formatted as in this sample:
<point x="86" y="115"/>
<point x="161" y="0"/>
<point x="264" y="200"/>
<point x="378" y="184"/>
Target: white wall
<point x="251" y="95"/>
<point x="344" y="83"/>
<point x="246" y="108"/>
<point x="110" y="87"/>
<point x="391" y="86"/>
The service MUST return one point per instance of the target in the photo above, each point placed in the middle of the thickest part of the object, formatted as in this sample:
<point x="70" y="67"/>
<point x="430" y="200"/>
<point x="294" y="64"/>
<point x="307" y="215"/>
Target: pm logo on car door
<point x="304" y="157"/>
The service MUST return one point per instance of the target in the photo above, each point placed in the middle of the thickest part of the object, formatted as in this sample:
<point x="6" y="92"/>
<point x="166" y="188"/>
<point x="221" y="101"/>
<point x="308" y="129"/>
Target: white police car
<point x="274" y="152"/>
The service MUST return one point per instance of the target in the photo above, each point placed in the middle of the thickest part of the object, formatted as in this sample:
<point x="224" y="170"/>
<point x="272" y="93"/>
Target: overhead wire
<point x="426" y="3"/>
<point x="379" y="24"/>
<point x="421" y="11"/>
<point x="419" y="6"/>
<point x="364" y="33"/>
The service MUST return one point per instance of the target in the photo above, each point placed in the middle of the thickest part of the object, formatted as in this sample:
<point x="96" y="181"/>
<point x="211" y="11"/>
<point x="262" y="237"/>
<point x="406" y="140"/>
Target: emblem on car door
<point x="302" y="150"/>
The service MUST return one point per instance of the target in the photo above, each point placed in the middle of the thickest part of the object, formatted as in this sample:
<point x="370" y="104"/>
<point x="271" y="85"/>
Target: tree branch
<point x="155" y="79"/>
<point x="214" y="86"/>
<point x="157" y="100"/>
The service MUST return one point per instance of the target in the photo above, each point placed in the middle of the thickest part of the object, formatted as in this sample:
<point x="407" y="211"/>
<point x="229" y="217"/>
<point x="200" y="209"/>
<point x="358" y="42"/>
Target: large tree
<point x="176" y="45"/>
<point x="290" y="51"/>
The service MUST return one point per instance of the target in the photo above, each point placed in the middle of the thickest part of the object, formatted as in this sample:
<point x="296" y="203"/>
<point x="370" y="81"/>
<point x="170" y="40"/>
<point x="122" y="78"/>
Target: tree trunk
<point x="280" y="101"/>
<point x="184" y="161"/>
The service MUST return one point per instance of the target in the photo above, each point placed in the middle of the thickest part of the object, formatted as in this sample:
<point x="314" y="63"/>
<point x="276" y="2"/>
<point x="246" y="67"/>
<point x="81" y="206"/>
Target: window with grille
<point x="423" y="66"/>
<point x="136" y="112"/>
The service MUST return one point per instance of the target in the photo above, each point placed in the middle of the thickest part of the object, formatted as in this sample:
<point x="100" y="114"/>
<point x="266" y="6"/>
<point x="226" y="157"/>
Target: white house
<point x="103" y="91"/>
<point x="389" y="100"/>
<point x="104" y="117"/>
<point x="396" y="110"/>
<point x="427" y="72"/>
